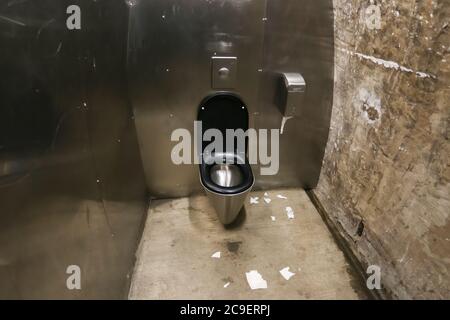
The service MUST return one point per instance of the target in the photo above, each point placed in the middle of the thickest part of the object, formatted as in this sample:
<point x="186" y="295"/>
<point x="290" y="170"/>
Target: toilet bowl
<point x="226" y="177"/>
<point x="226" y="184"/>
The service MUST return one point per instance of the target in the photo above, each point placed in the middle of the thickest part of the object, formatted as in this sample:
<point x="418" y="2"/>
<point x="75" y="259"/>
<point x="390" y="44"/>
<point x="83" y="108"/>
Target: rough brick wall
<point x="387" y="161"/>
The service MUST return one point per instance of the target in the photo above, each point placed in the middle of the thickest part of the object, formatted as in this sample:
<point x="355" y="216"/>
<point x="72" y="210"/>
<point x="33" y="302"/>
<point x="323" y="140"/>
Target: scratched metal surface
<point x="170" y="46"/>
<point x="71" y="181"/>
<point x="169" y="62"/>
<point x="299" y="37"/>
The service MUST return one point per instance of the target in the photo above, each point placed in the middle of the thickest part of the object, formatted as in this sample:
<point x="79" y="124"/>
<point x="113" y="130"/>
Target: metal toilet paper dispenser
<point x="291" y="94"/>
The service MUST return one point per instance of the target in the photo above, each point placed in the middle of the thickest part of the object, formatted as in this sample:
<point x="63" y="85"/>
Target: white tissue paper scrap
<point x="281" y="197"/>
<point x="254" y="200"/>
<point x="255" y="280"/>
<point x="290" y="213"/>
<point x="267" y="200"/>
<point x="216" y="255"/>
<point x="283" y="123"/>
<point x="286" y="273"/>
<point x="273" y="218"/>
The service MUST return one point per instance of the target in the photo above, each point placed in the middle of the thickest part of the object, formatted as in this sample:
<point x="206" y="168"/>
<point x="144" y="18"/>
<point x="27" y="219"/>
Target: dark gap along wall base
<point x="336" y="230"/>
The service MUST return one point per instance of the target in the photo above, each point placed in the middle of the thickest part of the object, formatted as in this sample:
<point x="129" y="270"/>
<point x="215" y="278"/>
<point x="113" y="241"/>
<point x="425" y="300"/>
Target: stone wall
<point x="385" y="176"/>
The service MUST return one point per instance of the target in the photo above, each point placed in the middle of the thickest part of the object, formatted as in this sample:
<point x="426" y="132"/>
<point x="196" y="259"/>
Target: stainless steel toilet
<point x="226" y="176"/>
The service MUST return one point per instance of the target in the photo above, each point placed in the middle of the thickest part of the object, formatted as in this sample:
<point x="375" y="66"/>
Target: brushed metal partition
<point x="71" y="181"/>
<point x="299" y="37"/>
<point x="170" y="45"/>
<point x="72" y="187"/>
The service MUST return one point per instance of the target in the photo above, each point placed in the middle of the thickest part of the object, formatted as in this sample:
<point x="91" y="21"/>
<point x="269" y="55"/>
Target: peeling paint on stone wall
<point x="386" y="163"/>
<point x="371" y="105"/>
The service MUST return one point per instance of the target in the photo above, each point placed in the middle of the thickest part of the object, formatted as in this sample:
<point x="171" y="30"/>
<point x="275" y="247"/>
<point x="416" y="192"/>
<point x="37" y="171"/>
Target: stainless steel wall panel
<point x="72" y="188"/>
<point x="171" y="43"/>
<point x="71" y="194"/>
<point x="299" y="37"/>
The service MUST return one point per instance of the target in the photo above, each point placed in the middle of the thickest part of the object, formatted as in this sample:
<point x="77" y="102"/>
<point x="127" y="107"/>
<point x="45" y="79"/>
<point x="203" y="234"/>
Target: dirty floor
<point x="174" y="260"/>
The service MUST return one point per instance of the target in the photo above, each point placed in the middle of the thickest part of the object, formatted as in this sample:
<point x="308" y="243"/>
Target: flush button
<point x="224" y="70"/>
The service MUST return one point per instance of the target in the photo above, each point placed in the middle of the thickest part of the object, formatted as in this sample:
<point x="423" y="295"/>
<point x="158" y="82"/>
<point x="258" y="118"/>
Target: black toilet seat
<point x="232" y="159"/>
<point x="223" y="111"/>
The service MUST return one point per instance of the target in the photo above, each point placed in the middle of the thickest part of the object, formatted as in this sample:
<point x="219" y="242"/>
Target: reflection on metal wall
<point x="170" y="45"/>
<point x="298" y="38"/>
<point x="71" y="181"/>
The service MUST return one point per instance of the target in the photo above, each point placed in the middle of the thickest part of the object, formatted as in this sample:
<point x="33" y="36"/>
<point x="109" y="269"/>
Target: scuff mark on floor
<point x="233" y="246"/>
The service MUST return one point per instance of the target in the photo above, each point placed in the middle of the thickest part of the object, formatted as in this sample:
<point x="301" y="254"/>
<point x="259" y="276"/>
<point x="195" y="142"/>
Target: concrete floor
<point x="174" y="258"/>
